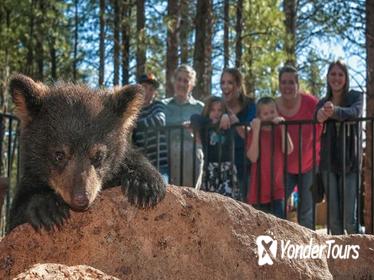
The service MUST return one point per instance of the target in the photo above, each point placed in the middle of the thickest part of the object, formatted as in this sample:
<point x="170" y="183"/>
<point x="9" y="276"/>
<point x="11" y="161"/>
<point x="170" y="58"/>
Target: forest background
<point x="111" y="42"/>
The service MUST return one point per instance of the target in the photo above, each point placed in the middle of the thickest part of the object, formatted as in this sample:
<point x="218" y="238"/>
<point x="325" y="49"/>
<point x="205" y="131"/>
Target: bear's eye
<point x="97" y="159"/>
<point x="59" y="156"/>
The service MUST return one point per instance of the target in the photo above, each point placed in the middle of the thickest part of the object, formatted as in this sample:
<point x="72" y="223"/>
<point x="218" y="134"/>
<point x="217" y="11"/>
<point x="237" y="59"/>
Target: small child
<point x="266" y="195"/>
<point x="219" y="171"/>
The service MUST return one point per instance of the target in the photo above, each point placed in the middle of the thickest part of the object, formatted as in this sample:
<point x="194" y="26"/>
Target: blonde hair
<point x="189" y="70"/>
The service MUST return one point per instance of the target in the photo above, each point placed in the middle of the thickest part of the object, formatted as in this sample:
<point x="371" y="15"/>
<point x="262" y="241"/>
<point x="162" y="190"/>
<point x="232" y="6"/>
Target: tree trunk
<point x="39" y="59"/>
<point x="140" y="45"/>
<point x="172" y="44"/>
<point x="368" y="160"/>
<point x="6" y="70"/>
<point x="39" y="42"/>
<point x="250" y="79"/>
<point x="289" y="7"/>
<point x="76" y="30"/>
<point x="29" y="69"/>
<point x="102" y="43"/>
<point x="203" y="49"/>
<point x="117" y="21"/>
<point x="126" y="14"/>
<point x="52" y="44"/>
<point x="239" y="28"/>
<point x="185" y="29"/>
<point x="53" y="56"/>
<point x="226" y="24"/>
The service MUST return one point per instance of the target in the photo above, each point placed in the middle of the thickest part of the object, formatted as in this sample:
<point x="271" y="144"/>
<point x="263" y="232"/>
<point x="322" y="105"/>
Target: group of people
<point x="254" y="152"/>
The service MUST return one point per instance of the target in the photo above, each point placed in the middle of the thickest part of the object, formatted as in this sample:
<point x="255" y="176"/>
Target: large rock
<point x="189" y="235"/>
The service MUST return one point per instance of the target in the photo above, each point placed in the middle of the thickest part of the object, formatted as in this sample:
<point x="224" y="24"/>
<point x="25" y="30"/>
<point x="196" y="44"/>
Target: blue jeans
<point x="305" y="205"/>
<point x="276" y="207"/>
<point x="333" y="188"/>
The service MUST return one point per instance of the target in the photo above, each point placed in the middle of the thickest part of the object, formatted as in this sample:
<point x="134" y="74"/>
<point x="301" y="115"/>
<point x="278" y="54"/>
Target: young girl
<point x="219" y="171"/>
<point x="266" y="189"/>
<point x="242" y="109"/>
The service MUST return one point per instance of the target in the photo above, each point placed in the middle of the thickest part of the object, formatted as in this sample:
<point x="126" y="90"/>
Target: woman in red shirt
<point x="293" y="105"/>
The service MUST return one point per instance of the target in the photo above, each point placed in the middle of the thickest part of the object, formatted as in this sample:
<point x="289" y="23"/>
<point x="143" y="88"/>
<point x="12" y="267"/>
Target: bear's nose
<point x="81" y="201"/>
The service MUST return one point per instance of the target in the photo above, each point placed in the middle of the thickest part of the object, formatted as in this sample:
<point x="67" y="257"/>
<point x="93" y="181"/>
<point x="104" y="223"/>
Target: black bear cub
<point x="74" y="142"/>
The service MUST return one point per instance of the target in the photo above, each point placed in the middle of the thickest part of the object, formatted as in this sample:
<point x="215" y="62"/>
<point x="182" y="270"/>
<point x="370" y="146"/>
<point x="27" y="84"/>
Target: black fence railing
<point x="188" y="165"/>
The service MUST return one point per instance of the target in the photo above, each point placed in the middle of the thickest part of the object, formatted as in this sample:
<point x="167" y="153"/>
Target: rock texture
<point x="189" y="235"/>
<point x="52" y="271"/>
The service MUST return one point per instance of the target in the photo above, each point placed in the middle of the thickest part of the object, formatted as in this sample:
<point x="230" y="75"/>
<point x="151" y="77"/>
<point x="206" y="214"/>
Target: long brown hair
<point x="244" y="98"/>
<point x="344" y="68"/>
<point x="209" y="103"/>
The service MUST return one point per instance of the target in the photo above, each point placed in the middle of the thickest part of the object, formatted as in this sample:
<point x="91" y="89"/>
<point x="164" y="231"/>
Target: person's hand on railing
<point x="233" y="118"/>
<point x="278" y="120"/>
<point x="325" y="112"/>
<point x="187" y="125"/>
<point x="329" y="108"/>
<point x="256" y="124"/>
<point x="240" y="129"/>
<point x="321" y="115"/>
<point x="225" y="122"/>
<point x="194" y="133"/>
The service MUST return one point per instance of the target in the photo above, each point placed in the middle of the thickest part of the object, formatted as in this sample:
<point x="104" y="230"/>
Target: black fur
<point x="74" y="142"/>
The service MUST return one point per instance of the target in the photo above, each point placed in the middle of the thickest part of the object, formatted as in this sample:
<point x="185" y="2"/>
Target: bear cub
<point x="74" y="143"/>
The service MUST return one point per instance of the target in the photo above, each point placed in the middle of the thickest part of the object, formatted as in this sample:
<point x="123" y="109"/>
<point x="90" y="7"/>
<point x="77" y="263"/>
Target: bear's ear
<point x="27" y="96"/>
<point x="127" y="102"/>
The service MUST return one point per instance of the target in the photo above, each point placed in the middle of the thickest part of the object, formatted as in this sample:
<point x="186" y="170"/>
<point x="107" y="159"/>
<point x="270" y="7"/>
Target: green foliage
<point x="31" y="22"/>
<point x="263" y="39"/>
<point x="336" y="24"/>
<point x="313" y="81"/>
<point x="156" y="40"/>
<point x="262" y="45"/>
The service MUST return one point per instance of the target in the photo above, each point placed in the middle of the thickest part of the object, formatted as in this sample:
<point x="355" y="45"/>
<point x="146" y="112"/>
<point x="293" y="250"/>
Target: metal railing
<point x="185" y="164"/>
<point x="367" y="124"/>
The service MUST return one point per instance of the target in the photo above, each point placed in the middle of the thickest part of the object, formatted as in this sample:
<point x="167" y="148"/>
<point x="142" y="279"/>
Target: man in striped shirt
<point x="148" y="134"/>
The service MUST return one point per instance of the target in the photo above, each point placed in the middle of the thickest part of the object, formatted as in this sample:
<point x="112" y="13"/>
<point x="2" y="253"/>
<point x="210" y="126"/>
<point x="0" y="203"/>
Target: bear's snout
<point x="80" y="201"/>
